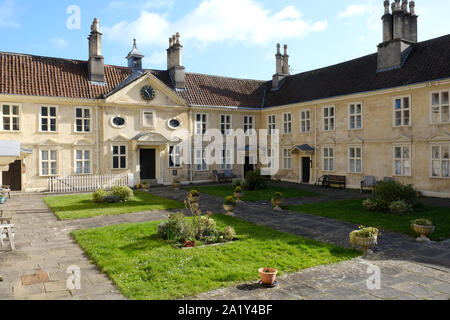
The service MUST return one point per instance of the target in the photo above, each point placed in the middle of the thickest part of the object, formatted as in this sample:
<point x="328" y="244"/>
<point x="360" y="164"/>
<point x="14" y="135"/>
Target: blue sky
<point x="234" y="38"/>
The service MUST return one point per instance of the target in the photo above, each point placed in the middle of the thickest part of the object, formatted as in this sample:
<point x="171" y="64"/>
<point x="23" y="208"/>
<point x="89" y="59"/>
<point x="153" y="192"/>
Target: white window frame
<point x="329" y="118"/>
<point x="439" y="107"/>
<point x="144" y="125"/>
<point x="249" y="126"/>
<point x="11" y="117"/>
<point x="201" y="125"/>
<point x="83" y="119"/>
<point x="355" y="159"/>
<point x="441" y="160"/>
<point x="271" y="124"/>
<point x="328" y="159"/>
<point x="49" y="161"/>
<point x="226" y="164"/>
<point x="83" y="161"/>
<point x="402" y="110"/>
<point x="49" y="118"/>
<point x="355" y="115"/>
<point x="287" y="159"/>
<point x="305" y="121"/>
<point x="226" y="126"/>
<point x="287" y="123"/>
<point x="175" y="156"/>
<point x="402" y="160"/>
<point x="119" y="156"/>
<point x="200" y="163"/>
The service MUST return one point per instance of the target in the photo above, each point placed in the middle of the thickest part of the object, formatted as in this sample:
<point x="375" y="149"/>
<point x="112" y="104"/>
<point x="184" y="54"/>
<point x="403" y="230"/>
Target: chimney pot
<point x="386" y="7"/>
<point x="175" y="62"/>
<point x="412" y="6"/>
<point x="96" y="63"/>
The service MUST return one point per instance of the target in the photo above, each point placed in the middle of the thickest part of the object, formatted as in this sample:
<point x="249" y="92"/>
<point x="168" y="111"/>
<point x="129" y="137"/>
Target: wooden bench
<point x="330" y="180"/>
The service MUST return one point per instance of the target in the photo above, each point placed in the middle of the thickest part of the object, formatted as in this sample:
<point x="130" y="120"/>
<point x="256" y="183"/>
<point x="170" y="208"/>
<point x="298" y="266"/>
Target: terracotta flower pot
<point x="365" y="243"/>
<point x="268" y="276"/>
<point x="423" y="231"/>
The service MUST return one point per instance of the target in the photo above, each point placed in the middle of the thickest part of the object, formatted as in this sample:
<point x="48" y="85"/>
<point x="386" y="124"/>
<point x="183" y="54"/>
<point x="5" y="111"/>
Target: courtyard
<point x="120" y="258"/>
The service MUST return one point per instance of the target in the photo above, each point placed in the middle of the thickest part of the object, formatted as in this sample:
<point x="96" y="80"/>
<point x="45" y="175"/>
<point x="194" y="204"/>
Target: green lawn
<point x="81" y="206"/>
<point x="145" y="267"/>
<point x="353" y="211"/>
<point x="260" y="195"/>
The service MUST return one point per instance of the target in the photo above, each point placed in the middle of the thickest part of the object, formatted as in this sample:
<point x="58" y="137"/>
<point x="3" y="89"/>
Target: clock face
<point x="148" y="93"/>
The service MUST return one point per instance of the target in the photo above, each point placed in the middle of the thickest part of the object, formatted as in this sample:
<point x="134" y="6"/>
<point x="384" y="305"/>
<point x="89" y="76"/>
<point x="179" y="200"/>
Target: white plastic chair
<point x="7" y="232"/>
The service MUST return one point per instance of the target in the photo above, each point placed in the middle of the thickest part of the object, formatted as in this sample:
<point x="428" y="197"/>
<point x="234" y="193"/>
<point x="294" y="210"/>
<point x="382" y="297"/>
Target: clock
<point x="147" y="93"/>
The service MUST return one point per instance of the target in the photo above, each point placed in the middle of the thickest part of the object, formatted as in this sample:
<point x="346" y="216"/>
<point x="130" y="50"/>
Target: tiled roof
<point x="428" y="60"/>
<point x="52" y="77"/>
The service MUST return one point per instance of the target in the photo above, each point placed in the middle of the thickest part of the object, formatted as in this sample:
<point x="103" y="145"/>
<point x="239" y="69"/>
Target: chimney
<point x="135" y="59"/>
<point x="286" y="61"/>
<point x="399" y="34"/>
<point x="96" y="63"/>
<point x="282" y="67"/>
<point x="175" y="62"/>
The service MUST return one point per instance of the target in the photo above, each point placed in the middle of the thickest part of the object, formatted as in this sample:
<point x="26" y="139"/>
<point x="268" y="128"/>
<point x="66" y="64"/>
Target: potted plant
<point x="277" y="201"/>
<point x="364" y="237"/>
<point x="229" y="205"/>
<point x="195" y="195"/>
<point x="238" y="194"/>
<point x="268" y="276"/>
<point x="423" y="227"/>
<point x="176" y="185"/>
<point x="145" y="185"/>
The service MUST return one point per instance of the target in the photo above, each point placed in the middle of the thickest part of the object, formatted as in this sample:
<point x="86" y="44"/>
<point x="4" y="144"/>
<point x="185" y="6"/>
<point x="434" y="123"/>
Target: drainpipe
<point x="315" y="144"/>
<point x="98" y="138"/>
<point x="191" y="129"/>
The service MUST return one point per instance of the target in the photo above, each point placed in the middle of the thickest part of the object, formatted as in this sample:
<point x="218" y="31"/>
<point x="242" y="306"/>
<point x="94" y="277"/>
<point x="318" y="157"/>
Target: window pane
<point x="406" y="103"/>
<point x="406" y="118"/>
<point x="444" y="98"/>
<point x="87" y="125"/>
<point x="79" y="154"/>
<point x="352" y="152"/>
<point x="358" y="152"/>
<point x="79" y="113"/>
<point x="358" y="122"/>
<point x="52" y="124"/>
<point x="87" y="155"/>
<point x="6" y="123"/>
<point x="352" y="109"/>
<point x="123" y="150"/>
<point x="115" y="150"/>
<point x="44" y="155"/>
<point x="44" y="111"/>
<point x="358" y="166"/>
<point x="325" y="112"/>
<point x="352" y="122"/>
<point x="436" y="153"/>
<point x="325" y="165"/>
<point x="115" y="162"/>
<point x="398" y="168"/>
<point x="123" y="162"/>
<point x="79" y="125"/>
<point x="5" y="110"/>
<point x="53" y="112"/>
<point x="332" y="124"/>
<point x="398" y="118"/>
<point x="15" y="110"/>
<point x="445" y="114"/>
<point x="16" y="124"/>
<point x="352" y="165"/>
<point x="79" y="169"/>
<point x="45" y="168"/>
<point x="87" y="167"/>
<point x="436" y="168"/>
<point x="87" y="113"/>
<point x="331" y="165"/>
<point x="435" y="99"/>
<point x="331" y="112"/>
<point x="325" y="152"/>
<point x="445" y="153"/>
<point x="446" y="169"/>
<point x="405" y="153"/>
<point x="52" y="155"/>
<point x="53" y="168"/>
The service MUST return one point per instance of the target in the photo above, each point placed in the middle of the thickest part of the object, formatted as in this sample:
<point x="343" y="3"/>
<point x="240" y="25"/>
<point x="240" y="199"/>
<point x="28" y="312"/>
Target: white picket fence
<point x="86" y="183"/>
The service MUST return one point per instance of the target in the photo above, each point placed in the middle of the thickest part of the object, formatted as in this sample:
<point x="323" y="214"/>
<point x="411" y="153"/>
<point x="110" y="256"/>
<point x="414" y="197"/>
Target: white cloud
<point x="371" y="10"/>
<point x="353" y="10"/>
<point x="217" y="21"/>
<point x="58" y="43"/>
<point x="8" y="12"/>
<point x="141" y="5"/>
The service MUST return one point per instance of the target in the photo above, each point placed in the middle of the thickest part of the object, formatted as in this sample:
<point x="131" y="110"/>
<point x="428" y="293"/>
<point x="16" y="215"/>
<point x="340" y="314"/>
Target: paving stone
<point x="21" y="291"/>
<point x="56" y="286"/>
<point x="415" y="290"/>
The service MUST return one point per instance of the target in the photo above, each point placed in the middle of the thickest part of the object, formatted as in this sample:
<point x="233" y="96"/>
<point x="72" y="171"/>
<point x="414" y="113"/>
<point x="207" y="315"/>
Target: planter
<point x="277" y="204"/>
<point x="228" y="208"/>
<point x="268" y="276"/>
<point x="239" y="196"/>
<point x="423" y="231"/>
<point x="365" y="243"/>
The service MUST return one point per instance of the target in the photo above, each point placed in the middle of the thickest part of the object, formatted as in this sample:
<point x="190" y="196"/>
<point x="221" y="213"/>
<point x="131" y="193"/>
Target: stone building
<point x="383" y="115"/>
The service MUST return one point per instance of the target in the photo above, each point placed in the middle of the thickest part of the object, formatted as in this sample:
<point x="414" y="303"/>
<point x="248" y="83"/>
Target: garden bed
<point x="145" y="267"/>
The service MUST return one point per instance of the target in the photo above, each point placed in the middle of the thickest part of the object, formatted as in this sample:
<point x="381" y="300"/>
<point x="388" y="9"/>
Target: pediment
<point x="355" y="140"/>
<point x="402" y="138"/>
<point x="154" y="138"/>
<point x="49" y="142"/>
<point x="129" y="92"/>
<point x="439" y="136"/>
<point x="119" y="138"/>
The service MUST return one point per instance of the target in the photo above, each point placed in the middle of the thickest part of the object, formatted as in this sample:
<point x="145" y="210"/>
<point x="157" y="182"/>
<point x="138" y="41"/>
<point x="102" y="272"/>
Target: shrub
<point x="179" y="228"/>
<point x="398" y="207"/>
<point x="229" y="201"/>
<point x="422" y="222"/>
<point x="124" y="193"/>
<point x="229" y="234"/>
<point x="238" y="190"/>
<point x="99" y="196"/>
<point x="387" y="192"/>
<point x="255" y="181"/>
<point x="206" y="227"/>
<point x="370" y="205"/>
<point x="112" y="199"/>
